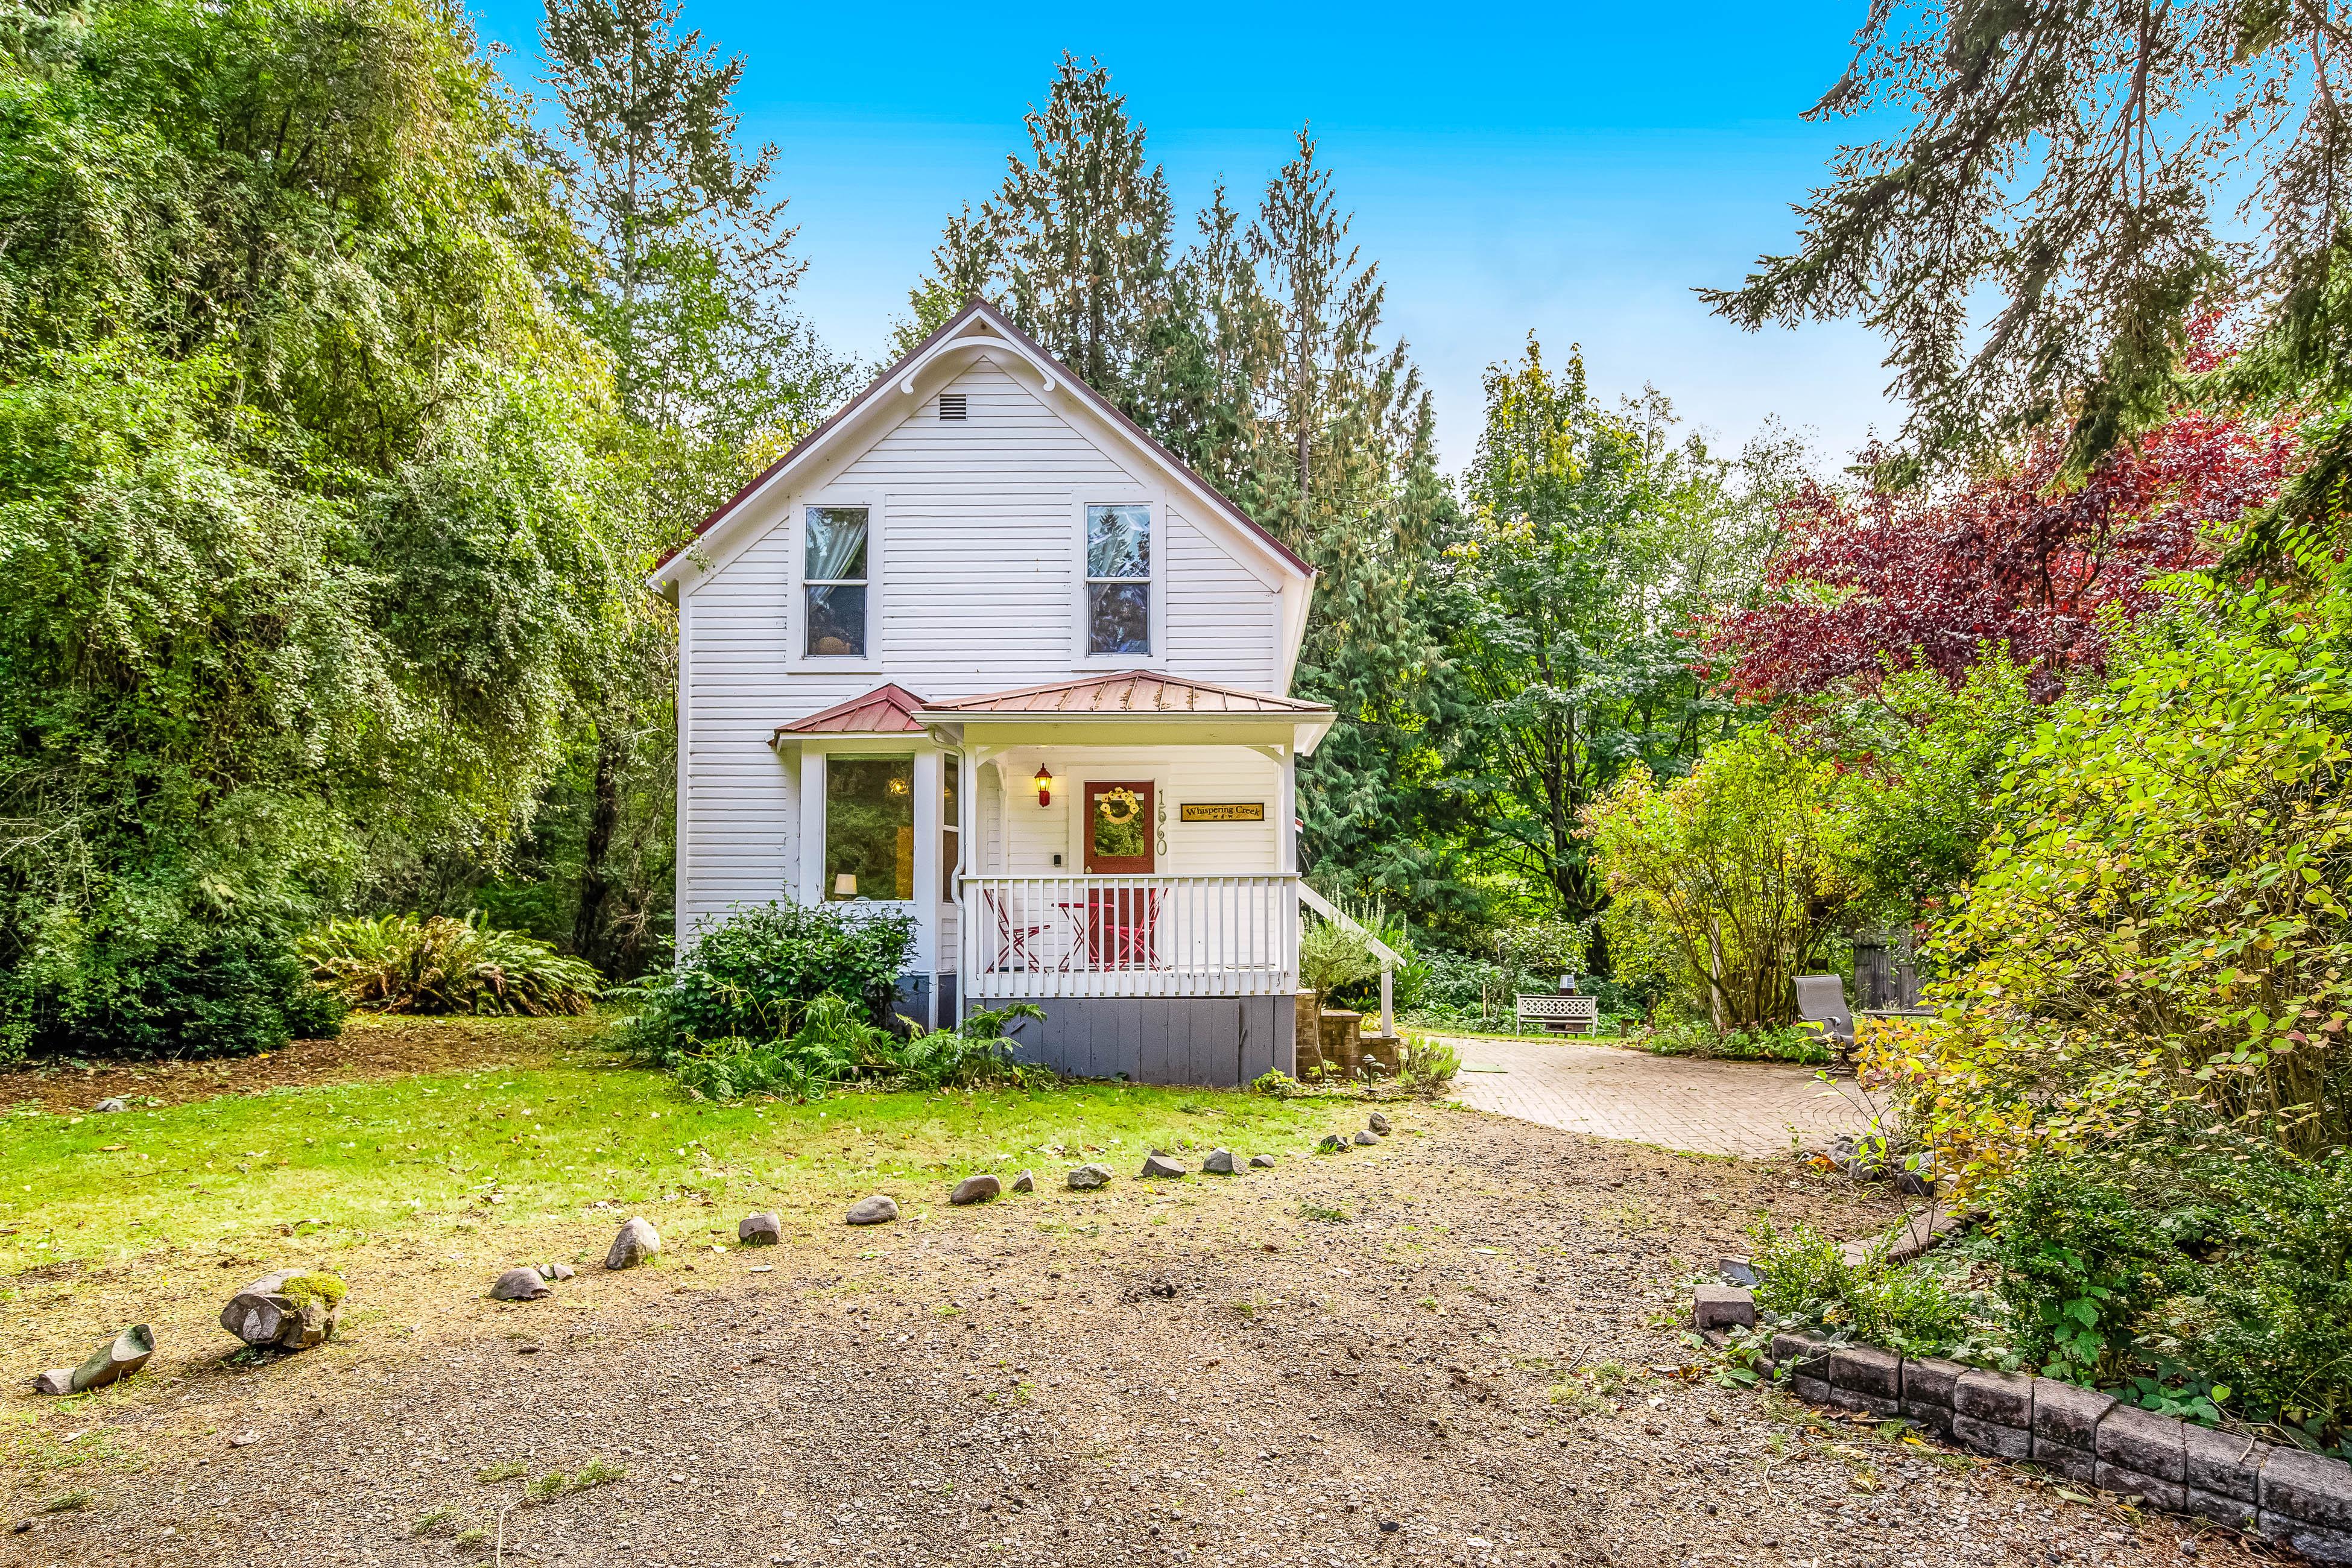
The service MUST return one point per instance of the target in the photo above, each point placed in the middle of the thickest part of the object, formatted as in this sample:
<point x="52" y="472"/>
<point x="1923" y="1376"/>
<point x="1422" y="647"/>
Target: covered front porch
<point x="1128" y="862"/>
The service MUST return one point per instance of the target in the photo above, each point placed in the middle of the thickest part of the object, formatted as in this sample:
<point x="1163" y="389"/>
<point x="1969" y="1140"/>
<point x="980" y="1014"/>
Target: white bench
<point x="1573" y="1015"/>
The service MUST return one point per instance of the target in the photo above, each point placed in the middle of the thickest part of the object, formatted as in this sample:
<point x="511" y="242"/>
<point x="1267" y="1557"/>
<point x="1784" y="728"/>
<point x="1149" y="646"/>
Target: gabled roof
<point x="978" y="309"/>
<point x="885" y="710"/>
<point x="1137" y="691"/>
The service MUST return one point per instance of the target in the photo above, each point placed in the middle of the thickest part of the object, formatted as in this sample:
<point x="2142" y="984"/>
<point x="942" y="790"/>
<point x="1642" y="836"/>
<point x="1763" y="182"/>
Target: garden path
<point x="1673" y="1102"/>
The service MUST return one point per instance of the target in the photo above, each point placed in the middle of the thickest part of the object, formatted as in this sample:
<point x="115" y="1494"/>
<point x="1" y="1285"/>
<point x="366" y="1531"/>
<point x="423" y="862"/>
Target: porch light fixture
<point x="1044" y="782"/>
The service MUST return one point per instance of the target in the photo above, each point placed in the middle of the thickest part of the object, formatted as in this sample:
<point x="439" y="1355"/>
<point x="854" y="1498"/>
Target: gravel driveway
<point x="1674" y="1102"/>
<point x="1442" y="1350"/>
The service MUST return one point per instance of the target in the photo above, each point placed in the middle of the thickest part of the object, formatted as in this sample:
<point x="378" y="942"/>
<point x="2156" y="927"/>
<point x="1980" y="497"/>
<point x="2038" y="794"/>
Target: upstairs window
<point x="834" y="578"/>
<point x="1119" y="579"/>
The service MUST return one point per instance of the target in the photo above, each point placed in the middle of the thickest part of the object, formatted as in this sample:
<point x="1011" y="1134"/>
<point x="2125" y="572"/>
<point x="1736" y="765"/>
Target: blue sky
<point x="1572" y="169"/>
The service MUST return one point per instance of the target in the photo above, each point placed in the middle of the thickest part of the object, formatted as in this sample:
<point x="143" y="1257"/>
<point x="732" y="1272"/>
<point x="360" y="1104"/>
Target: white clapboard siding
<point x="976" y="590"/>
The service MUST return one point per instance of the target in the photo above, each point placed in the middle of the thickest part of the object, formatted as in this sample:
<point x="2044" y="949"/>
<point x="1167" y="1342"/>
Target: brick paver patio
<point x="1674" y="1102"/>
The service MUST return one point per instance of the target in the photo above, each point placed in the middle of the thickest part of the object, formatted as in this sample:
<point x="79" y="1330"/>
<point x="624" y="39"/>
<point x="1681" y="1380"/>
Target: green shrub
<point x="1804" y="1276"/>
<point x="754" y="974"/>
<point x="398" y="963"/>
<point x="185" y="990"/>
<point x="1760" y="1043"/>
<point x="2275" y="1332"/>
<point x="1331" y="958"/>
<point x="2216" y="1282"/>
<point x="1429" y="1066"/>
<point x="980" y="1050"/>
<point x="836" y="1043"/>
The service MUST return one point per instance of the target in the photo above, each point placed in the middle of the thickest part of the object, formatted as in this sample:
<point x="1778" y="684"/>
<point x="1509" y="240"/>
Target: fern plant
<point x="399" y="963"/>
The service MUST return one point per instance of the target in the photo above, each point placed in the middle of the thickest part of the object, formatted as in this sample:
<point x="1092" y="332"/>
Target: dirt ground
<point x="1459" y="1347"/>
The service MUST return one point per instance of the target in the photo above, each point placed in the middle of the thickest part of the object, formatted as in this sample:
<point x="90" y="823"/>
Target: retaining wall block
<point x="2223" y="1465"/>
<point x="1927" y="1392"/>
<point x="1723" y="1307"/>
<point x="2307" y="1489"/>
<point x="2235" y="1513"/>
<point x="1799" y="1351"/>
<point x="2142" y="1452"/>
<point x="1992" y="1411"/>
<point x="2314" y="1541"/>
<point x="2066" y="1427"/>
<point x="1863" y="1377"/>
<point x="1991" y="1438"/>
<point x="2003" y="1398"/>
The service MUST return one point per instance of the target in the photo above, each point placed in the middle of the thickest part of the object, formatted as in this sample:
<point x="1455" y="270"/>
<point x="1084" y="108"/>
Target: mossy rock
<point x="315" y="1289"/>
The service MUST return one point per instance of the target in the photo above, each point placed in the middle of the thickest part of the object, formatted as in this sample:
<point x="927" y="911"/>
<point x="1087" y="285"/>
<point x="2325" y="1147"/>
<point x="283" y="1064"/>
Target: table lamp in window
<point x="845" y="886"/>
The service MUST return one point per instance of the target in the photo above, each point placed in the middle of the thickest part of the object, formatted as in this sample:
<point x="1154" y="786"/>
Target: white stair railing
<point x="1380" y="950"/>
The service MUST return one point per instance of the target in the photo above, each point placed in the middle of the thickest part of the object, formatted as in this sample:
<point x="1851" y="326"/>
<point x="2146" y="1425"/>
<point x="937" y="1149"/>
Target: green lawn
<point x="341" y="1164"/>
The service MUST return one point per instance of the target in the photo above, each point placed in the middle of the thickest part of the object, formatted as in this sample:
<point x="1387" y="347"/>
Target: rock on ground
<point x="637" y="1241"/>
<point x="108" y="1106"/>
<point x="519" y="1285"/>
<point x="1085" y="1178"/>
<point x="975" y="1190"/>
<point x="1026" y="1182"/>
<point x="1161" y="1167"/>
<point x="290" y="1309"/>
<point x="1379" y="1122"/>
<point x="1332" y="1143"/>
<point x="555" y="1271"/>
<point x="1220" y="1162"/>
<point x="56" y="1380"/>
<point x="766" y="1229"/>
<point x="118" y="1358"/>
<point x="1366" y="1138"/>
<point x="1260" y="1162"/>
<point x="879" y="1209"/>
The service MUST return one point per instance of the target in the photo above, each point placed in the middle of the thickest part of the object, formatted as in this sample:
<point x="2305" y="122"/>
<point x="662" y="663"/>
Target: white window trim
<point x="1157" y="500"/>
<point x="817" y="761"/>
<point x="796" y="622"/>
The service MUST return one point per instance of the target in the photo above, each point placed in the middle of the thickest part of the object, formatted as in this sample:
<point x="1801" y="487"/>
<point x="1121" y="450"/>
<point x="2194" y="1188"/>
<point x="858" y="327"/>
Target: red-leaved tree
<point x="2014" y="559"/>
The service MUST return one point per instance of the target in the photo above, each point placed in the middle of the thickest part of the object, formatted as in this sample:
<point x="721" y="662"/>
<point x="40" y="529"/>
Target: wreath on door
<point x="1117" y="807"/>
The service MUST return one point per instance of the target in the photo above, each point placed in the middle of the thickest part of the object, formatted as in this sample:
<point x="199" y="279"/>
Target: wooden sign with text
<point x="1226" y="811"/>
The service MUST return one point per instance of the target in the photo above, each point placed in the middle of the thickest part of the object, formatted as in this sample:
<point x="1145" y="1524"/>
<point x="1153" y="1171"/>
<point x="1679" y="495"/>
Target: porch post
<point x="928" y="788"/>
<point x="1285" y="838"/>
<point x="967" y="820"/>
<point x="811" y="824"/>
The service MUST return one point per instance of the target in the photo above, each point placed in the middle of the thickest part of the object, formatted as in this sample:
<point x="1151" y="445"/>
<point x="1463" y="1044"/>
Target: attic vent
<point x="951" y="405"/>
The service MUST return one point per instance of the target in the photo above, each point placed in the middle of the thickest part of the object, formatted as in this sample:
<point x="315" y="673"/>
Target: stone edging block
<point x="2302" y="1499"/>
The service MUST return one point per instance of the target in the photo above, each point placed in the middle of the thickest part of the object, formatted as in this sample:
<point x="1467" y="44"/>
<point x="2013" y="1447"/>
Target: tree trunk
<point x="604" y="822"/>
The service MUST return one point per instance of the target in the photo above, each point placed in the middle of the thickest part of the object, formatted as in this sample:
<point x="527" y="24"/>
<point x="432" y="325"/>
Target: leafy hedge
<point x="754" y="974"/>
<point x="185" y="990"/>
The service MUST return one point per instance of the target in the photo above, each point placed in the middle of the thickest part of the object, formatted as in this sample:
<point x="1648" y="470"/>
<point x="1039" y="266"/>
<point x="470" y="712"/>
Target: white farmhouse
<point x="980" y="651"/>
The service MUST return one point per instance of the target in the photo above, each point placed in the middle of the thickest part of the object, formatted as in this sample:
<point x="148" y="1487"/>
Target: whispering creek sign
<point x="1226" y="811"/>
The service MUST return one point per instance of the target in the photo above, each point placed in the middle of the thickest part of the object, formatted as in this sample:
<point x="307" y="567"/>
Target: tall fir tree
<point x="1075" y="244"/>
<point x="691" y="298"/>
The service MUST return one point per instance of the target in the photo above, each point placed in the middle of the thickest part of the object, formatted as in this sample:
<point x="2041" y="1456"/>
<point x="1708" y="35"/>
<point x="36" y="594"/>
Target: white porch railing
<point x="1129" y="936"/>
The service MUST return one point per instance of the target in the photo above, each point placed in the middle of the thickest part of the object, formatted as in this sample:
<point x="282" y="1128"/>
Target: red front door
<point x="1120" y="827"/>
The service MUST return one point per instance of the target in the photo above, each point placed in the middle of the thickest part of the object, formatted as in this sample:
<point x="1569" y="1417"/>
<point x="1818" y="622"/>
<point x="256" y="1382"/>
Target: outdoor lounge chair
<point x="1820" y="1000"/>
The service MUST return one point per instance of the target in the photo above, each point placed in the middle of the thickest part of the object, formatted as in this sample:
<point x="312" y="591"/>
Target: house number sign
<point x="1226" y="811"/>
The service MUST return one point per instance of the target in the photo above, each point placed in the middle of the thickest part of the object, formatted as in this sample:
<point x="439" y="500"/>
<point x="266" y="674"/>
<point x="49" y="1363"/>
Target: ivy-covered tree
<point x="303" y="496"/>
